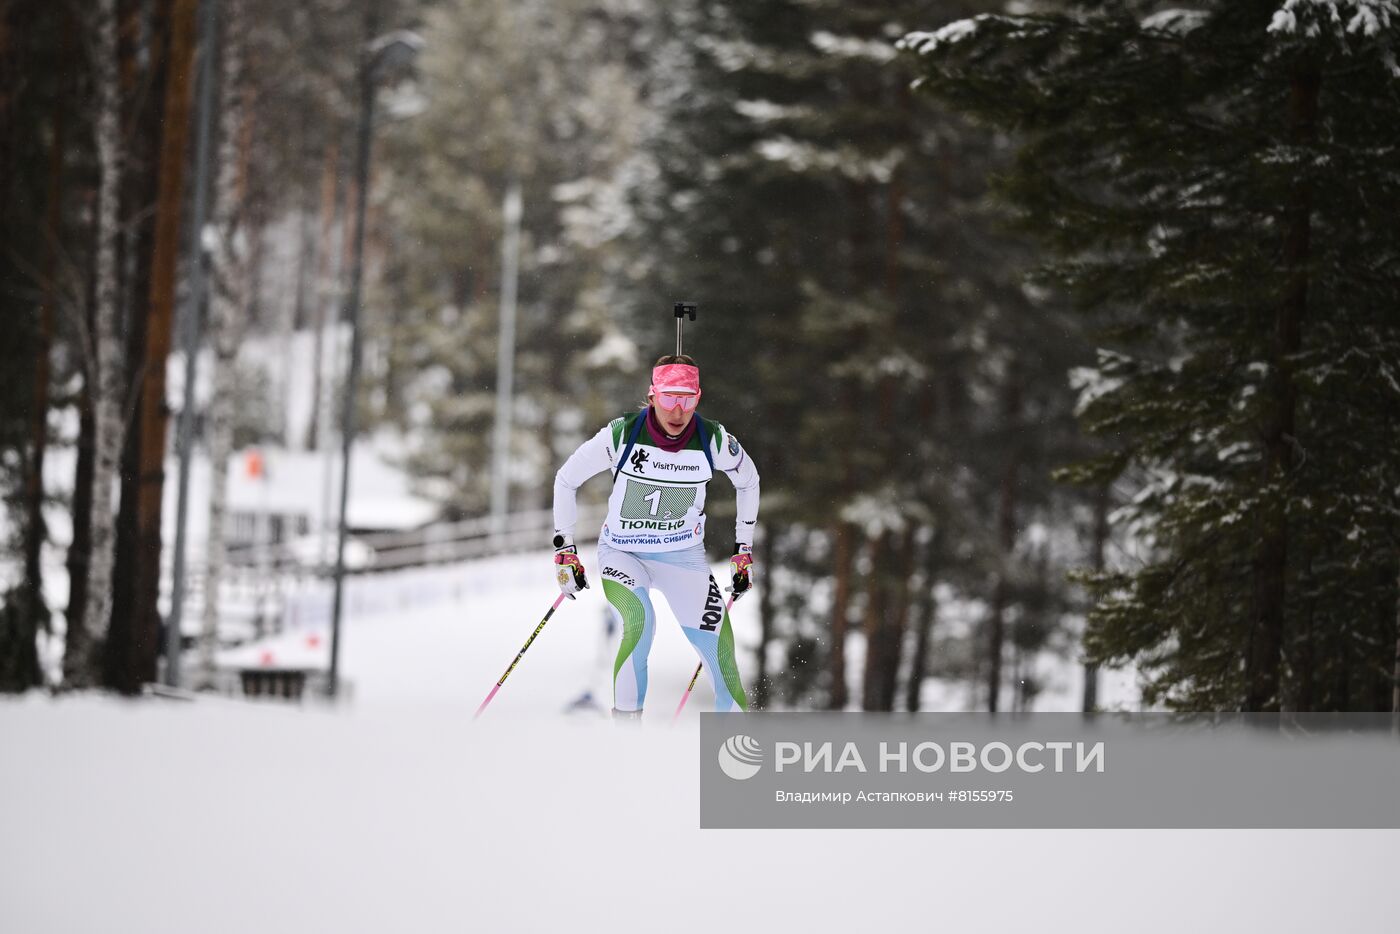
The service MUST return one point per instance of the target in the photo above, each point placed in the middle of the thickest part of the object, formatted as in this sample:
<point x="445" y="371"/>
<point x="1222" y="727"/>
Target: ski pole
<point x="519" y="655"/>
<point x="696" y="677"/>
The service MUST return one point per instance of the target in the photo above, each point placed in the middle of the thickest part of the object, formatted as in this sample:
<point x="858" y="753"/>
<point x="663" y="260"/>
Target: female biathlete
<point x="662" y="458"/>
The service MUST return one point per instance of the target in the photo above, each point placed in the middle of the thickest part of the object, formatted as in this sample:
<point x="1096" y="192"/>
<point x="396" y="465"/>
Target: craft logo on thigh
<point x="714" y="608"/>
<point x="617" y="575"/>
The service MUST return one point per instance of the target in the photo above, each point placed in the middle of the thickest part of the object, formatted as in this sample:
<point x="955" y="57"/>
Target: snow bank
<point x="219" y="817"/>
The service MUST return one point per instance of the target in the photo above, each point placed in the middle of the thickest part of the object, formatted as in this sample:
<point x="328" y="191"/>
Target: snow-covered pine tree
<point x="1216" y="187"/>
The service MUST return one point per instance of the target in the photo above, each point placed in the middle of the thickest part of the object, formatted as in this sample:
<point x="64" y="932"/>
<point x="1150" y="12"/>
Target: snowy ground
<point x="397" y="812"/>
<point x="223" y="817"/>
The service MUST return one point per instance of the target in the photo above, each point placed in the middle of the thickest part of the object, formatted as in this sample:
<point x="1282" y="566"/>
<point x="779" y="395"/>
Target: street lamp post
<point x="505" y="363"/>
<point x="395" y="50"/>
<point x="191" y="327"/>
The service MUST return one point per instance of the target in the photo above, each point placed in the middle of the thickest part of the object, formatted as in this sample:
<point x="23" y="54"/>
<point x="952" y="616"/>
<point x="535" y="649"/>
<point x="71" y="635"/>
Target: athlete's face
<point x="673" y="420"/>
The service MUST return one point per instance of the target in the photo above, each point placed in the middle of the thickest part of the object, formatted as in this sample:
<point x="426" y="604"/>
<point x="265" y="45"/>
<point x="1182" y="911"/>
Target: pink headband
<point x="675" y="377"/>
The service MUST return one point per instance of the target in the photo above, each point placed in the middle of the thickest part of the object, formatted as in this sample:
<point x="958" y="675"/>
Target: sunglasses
<point x="674" y="400"/>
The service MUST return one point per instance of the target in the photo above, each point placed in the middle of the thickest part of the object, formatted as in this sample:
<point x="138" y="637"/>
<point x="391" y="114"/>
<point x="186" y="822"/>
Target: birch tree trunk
<point x="227" y="301"/>
<point x="83" y="642"/>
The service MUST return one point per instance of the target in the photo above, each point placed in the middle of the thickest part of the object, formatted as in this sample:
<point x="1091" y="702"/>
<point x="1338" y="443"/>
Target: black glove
<point x="741" y="569"/>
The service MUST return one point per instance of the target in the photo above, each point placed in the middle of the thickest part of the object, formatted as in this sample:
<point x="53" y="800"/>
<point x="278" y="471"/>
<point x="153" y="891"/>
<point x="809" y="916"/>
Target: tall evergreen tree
<point x="36" y="127"/>
<point x="1214" y="186"/>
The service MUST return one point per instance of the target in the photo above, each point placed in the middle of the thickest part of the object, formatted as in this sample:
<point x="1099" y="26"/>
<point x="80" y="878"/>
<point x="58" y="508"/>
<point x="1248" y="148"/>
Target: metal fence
<point x="448" y="542"/>
<point x="258" y="580"/>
